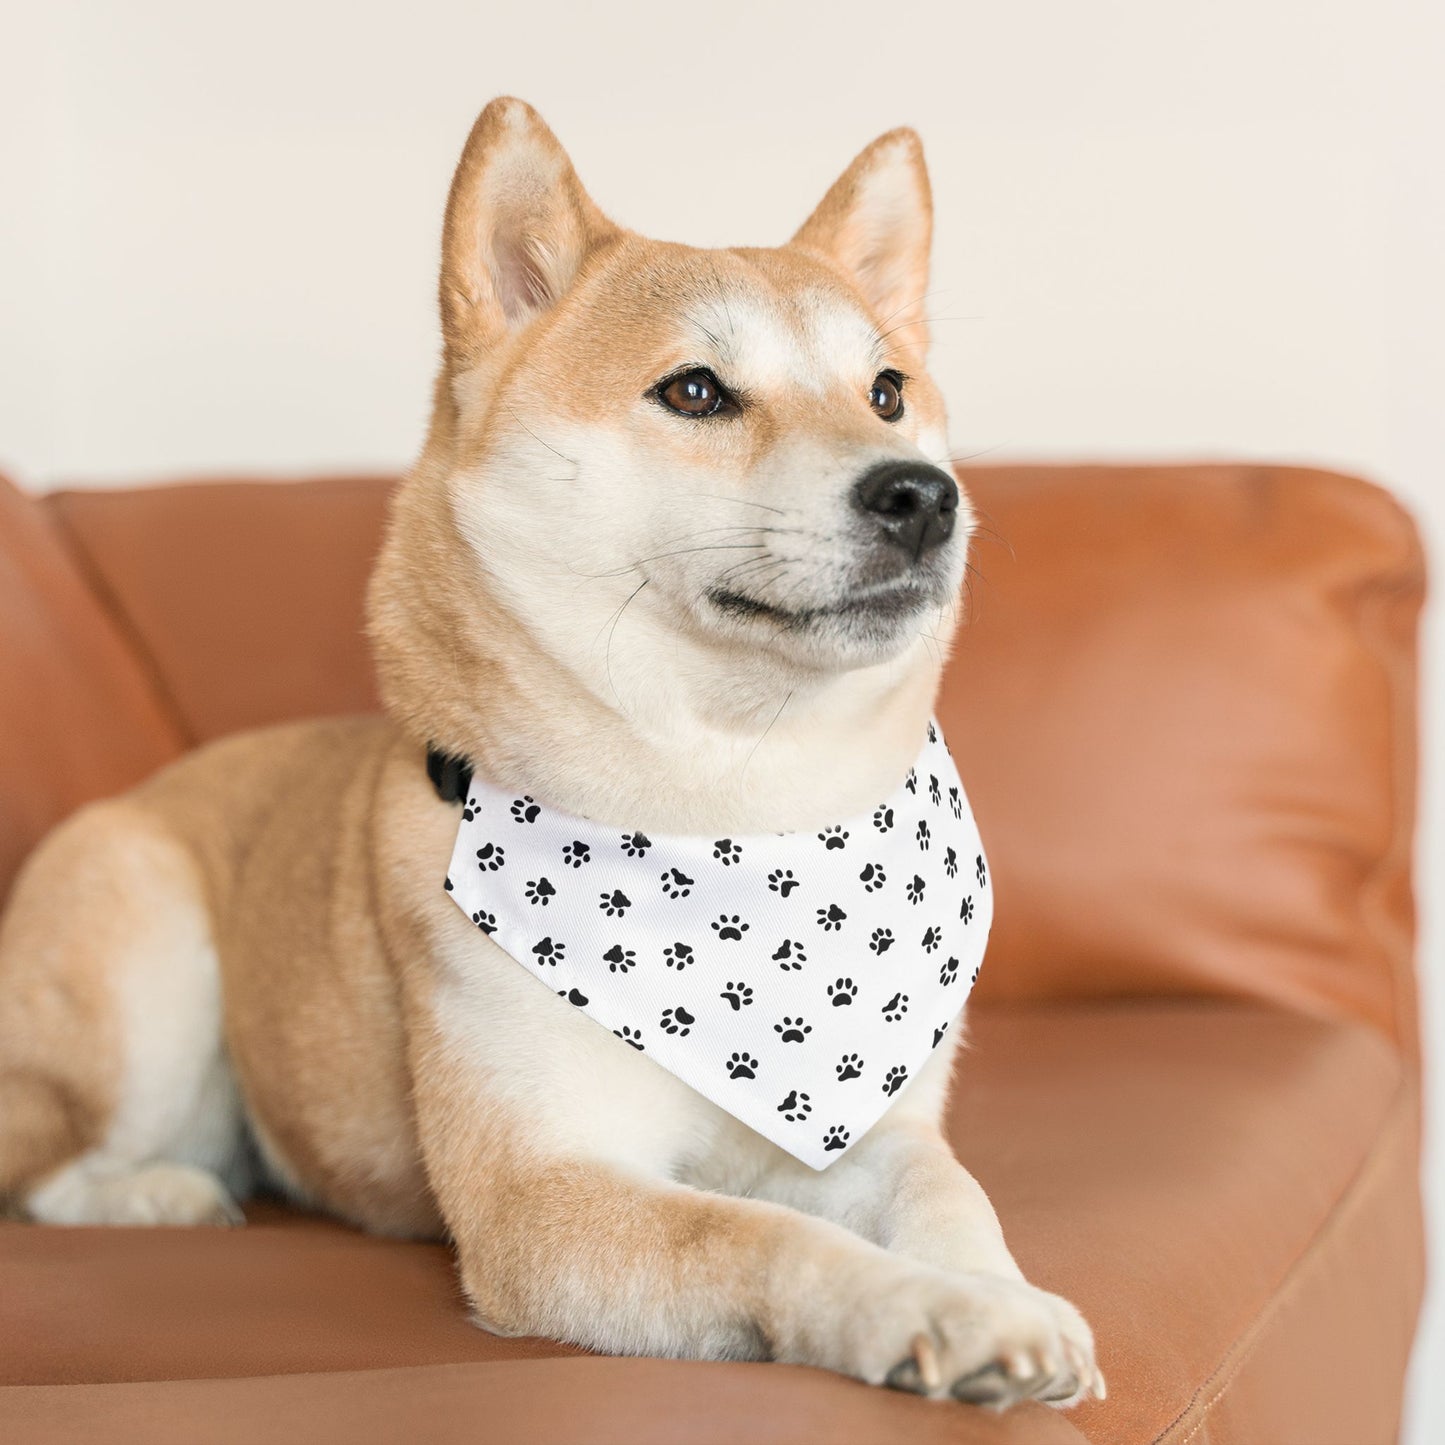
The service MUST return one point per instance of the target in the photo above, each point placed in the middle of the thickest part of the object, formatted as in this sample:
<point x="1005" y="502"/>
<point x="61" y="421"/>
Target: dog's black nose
<point x="915" y="504"/>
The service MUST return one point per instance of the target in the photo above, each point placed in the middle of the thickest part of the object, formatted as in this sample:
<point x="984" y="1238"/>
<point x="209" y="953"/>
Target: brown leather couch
<point x="1185" y="710"/>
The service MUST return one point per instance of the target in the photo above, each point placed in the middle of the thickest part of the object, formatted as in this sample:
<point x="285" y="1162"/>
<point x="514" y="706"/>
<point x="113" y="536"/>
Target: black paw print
<point x="727" y="851"/>
<point x="950" y="862"/>
<point x="831" y="918"/>
<point x="955" y="803"/>
<point x="924" y="837"/>
<point x="965" y="910"/>
<point x="981" y="869"/>
<point x="914" y="892"/>
<point x="635" y="844"/>
<point x="934" y="794"/>
<point x="678" y="955"/>
<point x="938" y="1034"/>
<point x="872" y="877"/>
<point x="834" y="837"/>
<point x="676" y="884"/>
<point x="948" y="973"/>
<point x="490" y="857"/>
<point x="895" y="1079"/>
<point x="741" y="1066"/>
<point x="619" y="959"/>
<point x="836" y="1138"/>
<point x="793" y="1030"/>
<point x="850" y="1066"/>
<point x="911" y="781"/>
<point x="739" y="995"/>
<point x="796" y="1106"/>
<point x="790" y="954"/>
<point x="932" y="733"/>
<point x="882" y="940"/>
<point x="468" y="811"/>
<point x="485" y="921"/>
<point x="576" y="853"/>
<point x="573" y="996"/>
<point x="931" y="939"/>
<point x="448" y="883"/>
<point x="730" y="926"/>
<point x="550" y="952"/>
<point x="883" y="819"/>
<point x="614" y="904"/>
<point x="677" y="1021"/>
<point x="630" y="1036"/>
<point x="842" y="992"/>
<point x="895" y="1008"/>
<point x="539" y="890"/>
<point x="524" y="810"/>
<point x="781" y="880"/>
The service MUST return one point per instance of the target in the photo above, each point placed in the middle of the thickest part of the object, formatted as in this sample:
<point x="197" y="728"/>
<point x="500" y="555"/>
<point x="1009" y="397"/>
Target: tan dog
<point x="632" y="573"/>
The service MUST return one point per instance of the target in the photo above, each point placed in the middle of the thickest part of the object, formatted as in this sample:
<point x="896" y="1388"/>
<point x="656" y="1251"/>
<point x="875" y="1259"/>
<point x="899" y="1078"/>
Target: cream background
<point x="1163" y="229"/>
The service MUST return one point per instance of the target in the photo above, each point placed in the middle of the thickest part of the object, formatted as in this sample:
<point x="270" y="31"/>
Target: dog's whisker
<point x="571" y="461"/>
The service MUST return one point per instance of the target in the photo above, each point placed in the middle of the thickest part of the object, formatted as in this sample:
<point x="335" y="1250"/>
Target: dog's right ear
<point x="518" y="228"/>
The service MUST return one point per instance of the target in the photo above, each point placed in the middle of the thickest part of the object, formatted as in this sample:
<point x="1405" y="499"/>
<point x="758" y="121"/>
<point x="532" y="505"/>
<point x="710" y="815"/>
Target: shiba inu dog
<point x="677" y="551"/>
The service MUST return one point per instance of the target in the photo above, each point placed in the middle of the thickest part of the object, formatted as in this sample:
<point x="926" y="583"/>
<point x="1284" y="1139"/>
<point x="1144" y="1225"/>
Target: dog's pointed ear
<point x="518" y="228"/>
<point x="877" y="223"/>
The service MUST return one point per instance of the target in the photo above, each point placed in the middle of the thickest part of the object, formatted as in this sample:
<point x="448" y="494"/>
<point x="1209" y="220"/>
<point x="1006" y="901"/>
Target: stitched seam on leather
<point x="124" y="623"/>
<point x="1242" y="1349"/>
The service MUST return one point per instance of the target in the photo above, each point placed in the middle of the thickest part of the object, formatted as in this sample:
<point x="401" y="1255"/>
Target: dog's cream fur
<point x="248" y="967"/>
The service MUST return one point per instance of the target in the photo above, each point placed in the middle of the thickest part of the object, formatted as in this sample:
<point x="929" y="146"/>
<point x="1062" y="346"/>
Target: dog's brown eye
<point x="694" y="393"/>
<point x="886" y="398"/>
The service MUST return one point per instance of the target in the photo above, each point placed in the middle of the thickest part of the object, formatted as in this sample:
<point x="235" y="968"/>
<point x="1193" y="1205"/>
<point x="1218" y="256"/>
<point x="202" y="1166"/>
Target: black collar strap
<point x="450" y="775"/>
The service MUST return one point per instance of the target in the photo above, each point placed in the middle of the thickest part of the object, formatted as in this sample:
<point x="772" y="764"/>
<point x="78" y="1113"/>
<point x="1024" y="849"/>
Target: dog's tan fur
<point x="248" y="964"/>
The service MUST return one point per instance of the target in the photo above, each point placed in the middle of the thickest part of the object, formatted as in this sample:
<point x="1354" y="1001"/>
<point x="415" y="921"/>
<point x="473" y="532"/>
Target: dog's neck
<point x="711" y="741"/>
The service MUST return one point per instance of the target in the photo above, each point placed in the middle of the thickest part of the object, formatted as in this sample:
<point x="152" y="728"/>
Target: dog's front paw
<point x="980" y="1338"/>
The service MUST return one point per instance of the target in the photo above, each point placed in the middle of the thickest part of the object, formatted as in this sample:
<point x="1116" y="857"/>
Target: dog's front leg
<point x="901" y="1188"/>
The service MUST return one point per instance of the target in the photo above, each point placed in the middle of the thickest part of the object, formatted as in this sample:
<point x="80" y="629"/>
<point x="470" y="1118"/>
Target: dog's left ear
<point x="877" y="223"/>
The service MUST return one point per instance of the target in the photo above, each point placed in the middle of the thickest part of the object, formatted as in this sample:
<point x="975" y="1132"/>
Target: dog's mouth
<point x="891" y="603"/>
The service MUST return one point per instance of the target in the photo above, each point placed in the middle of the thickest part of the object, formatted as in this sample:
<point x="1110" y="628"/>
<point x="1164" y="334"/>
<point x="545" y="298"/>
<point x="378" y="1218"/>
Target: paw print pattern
<point x="793" y="1031"/>
<point x="914" y="892"/>
<point x="836" y="1138"/>
<point x="831" y="918"/>
<point x="911" y="781"/>
<point x="490" y="857"/>
<point x="549" y="952"/>
<point x="487" y="922"/>
<point x="574" y="996"/>
<point x="850" y="1066"/>
<point x="932" y="733"/>
<point x="948" y="971"/>
<point x="938" y="1034"/>
<point x="727" y="852"/>
<point x="619" y="959"/>
<point x="795" y="1107"/>
<point x="729" y="926"/>
<point x="739" y="995"/>
<point x="576" y="854"/>
<point x="950" y="862"/>
<point x="981" y="869"/>
<point x="935" y="795"/>
<point x="965" y="909"/>
<point x="881" y="940"/>
<point x="955" y="803"/>
<point x="781" y="880"/>
<point x="676" y="883"/>
<point x="790" y="955"/>
<point x="540" y="891"/>
<point x="678" y="955"/>
<point x="883" y="819"/>
<point x="677" y="1021"/>
<point x="834" y="837"/>
<point x="895" y="1008"/>
<point x="872" y="877"/>
<point x="924" y="836"/>
<point x="931" y="939"/>
<point x="742" y="1066"/>
<point x="614" y="904"/>
<point x="843" y="992"/>
<point x="895" y="1079"/>
<point x="524" y="810"/>
<point x="635" y="844"/>
<point x="630" y="1036"/>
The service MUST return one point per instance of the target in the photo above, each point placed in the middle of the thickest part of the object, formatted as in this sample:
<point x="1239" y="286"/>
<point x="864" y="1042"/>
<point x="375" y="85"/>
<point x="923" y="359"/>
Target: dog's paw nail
<point x="1100" y="1390"/>
<point x="927" y="1357"/>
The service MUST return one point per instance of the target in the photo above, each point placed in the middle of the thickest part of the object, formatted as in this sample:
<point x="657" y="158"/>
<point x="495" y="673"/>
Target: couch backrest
<point x="1183" y="704"/>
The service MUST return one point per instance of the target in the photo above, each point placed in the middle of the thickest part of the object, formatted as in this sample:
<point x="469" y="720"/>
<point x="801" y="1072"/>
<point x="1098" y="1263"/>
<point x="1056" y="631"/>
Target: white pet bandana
<point x="797" y="980"/>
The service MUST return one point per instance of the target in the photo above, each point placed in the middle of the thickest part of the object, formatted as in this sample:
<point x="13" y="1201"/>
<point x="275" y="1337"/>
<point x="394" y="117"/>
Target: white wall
<point x="1164" y="228"/>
